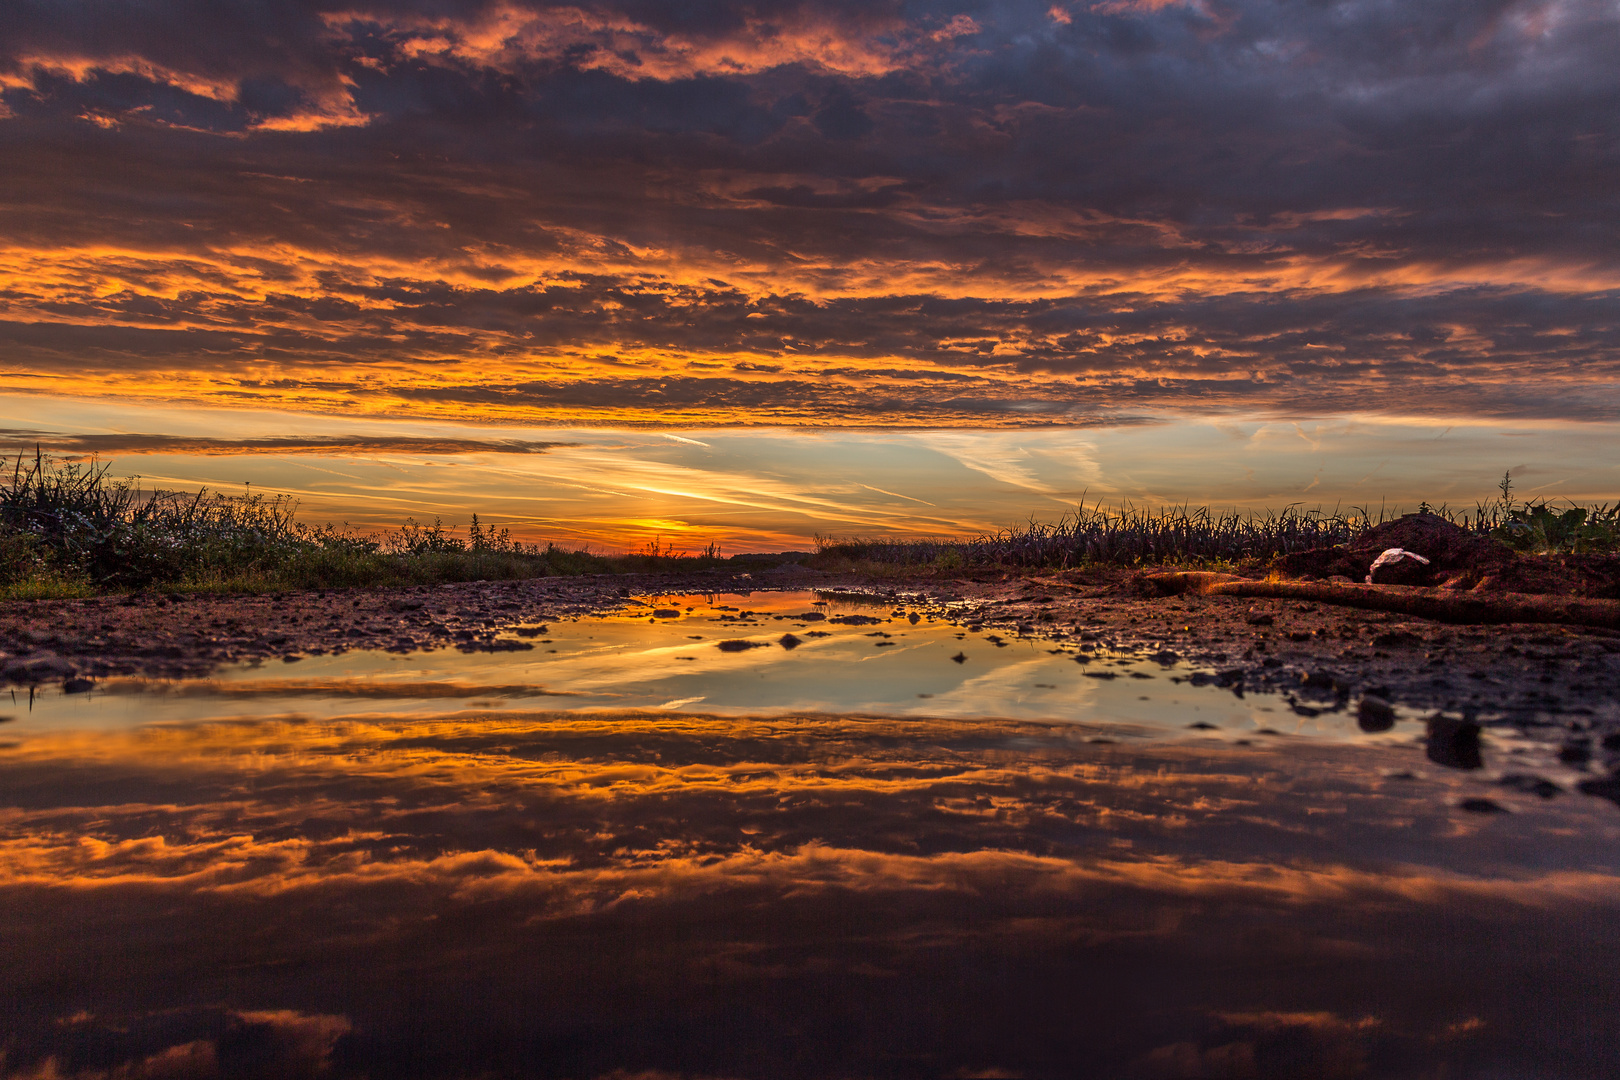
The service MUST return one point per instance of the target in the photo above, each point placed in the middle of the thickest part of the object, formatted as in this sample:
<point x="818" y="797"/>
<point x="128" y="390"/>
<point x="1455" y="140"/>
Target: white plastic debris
<point x="1393" y="555"/>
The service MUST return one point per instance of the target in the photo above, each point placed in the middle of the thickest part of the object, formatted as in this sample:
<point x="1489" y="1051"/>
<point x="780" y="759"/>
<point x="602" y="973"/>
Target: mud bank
<point x="1319" y="655"/>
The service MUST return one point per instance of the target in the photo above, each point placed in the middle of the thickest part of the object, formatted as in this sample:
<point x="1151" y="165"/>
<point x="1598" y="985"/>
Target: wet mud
<point x="1543" y="675"/>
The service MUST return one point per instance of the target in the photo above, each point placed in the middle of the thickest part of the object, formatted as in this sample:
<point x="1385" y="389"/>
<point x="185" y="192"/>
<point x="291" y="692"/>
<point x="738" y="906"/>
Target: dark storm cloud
<point x="1259" y="204"/>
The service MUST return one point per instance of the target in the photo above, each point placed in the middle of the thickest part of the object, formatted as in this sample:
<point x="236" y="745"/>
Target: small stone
<point x="1575" y="752"/>
<point x="1530" y="785"/>
<point x="1374" y="714"/>
<point x="1395" y="638"/>
<point x="1606" y="788"/>
<point x="789" y="641"/>
<point x="960" y="658"/>
<point x="1454" y="742"/>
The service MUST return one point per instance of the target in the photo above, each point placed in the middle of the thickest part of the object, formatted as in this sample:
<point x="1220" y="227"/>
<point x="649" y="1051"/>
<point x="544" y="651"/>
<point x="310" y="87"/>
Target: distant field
<point x="70" y="529"/>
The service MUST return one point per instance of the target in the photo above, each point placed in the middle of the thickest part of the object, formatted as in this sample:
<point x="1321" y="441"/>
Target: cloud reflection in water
<point x="568" y="895"/>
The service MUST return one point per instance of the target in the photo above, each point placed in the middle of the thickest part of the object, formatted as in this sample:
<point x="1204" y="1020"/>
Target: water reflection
<point x="662" y="893"/>
<point x="739" y="653"/>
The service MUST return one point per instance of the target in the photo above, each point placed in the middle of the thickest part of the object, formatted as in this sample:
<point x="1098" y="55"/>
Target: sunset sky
<point x="752" y="272"/>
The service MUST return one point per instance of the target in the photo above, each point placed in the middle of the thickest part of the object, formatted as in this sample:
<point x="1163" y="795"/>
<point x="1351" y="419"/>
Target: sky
<point x="986" y="257"/>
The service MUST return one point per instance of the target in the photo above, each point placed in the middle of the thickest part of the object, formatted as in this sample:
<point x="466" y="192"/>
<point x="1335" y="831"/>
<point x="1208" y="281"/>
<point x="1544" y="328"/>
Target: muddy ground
<point x="1515" y="668"/>
<point x="1558" y="683"/>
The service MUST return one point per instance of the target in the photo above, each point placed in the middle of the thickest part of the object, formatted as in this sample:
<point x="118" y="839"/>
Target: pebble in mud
<point x="1374" y="714"/>
<point x="1453" y="742"/>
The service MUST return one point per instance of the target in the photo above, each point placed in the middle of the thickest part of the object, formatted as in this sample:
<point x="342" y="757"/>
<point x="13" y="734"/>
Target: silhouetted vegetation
<point x="1132" y="536"/>
<point x="70" y="529"/>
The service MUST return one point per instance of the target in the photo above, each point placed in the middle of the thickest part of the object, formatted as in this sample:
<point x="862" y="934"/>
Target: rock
<point x="855" y="620"/>
<point x="1575" y="752"/>
<point x="1606" y="788"/>
<point x="960" y="658"/>
<point x="667" y="613"/>
<point x="739" y="645"/>
<point x="1260" y="619"/>
<point x="1322" y="680"/>
<point x="1390" y="639"/>
<point x="1374" y="714"/>
<point x="77" y="684"/>
<point x="1454" y="742"/>
<point x="789" y="641"/>
<point x="494" y="646"/>
<point x="1482" y="806"/>
<point x="38" y="670"/>
<point x="1530" y="785"/>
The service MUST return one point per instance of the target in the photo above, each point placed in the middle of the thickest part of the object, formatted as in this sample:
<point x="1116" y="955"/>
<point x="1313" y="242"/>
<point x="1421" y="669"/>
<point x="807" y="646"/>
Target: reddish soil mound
<point x="1450" y="549"/>
<point x="1458" y="559"/>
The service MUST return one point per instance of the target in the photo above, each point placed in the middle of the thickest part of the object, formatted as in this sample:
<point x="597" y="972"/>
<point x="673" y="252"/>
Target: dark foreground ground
<point x="1562" y="680"/>
<point x="655" y="895"/>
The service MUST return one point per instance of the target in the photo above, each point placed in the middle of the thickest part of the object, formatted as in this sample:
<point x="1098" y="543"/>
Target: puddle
<point x="627" y="851"/>
<point x="744" y="653"/>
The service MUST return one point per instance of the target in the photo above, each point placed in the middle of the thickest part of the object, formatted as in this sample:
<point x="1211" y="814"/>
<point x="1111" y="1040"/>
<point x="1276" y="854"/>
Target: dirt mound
<point x="1456" y="556"/>
<point x="1458" y="559"/>
<point x="1594" y="576"/>
<point x="1450" y="549"/>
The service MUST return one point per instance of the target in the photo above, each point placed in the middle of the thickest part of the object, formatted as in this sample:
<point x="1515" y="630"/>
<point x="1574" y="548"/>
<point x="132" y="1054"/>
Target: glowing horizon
<point x="756" y="489"/>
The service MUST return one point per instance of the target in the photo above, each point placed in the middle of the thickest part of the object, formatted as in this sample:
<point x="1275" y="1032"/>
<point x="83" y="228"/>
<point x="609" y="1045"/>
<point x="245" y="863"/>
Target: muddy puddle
<point x="661" y="843"/>
<point x="744" y="653"/>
